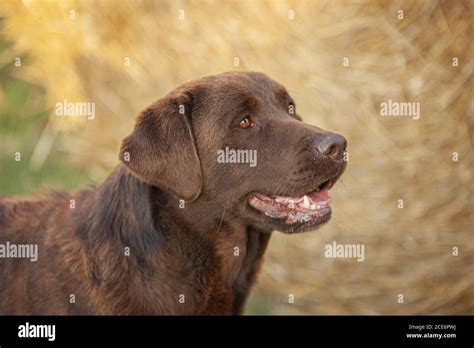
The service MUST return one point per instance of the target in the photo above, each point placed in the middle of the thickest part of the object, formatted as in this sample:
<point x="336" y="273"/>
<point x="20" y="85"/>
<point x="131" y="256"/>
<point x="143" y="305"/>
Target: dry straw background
<point x="408" y="251"/>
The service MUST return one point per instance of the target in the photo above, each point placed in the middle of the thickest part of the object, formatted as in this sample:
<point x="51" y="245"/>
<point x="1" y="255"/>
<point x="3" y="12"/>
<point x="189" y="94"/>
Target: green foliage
<point x="23" y="116"/>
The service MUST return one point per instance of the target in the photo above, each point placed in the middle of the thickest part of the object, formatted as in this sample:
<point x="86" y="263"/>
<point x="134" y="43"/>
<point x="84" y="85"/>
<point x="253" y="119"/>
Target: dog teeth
<point x="304" y="218"/>
<point x="306" y="202"/>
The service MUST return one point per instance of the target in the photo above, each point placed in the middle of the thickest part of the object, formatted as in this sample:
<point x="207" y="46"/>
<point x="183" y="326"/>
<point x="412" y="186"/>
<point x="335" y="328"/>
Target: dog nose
<point x="330" y="145"/>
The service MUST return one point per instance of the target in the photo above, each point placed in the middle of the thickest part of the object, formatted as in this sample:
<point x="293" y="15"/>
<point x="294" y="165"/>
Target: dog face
<point x="232" y="144"/>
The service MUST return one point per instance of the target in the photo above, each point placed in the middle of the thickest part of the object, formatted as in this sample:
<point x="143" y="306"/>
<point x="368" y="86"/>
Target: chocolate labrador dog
<point x="181" y="225"/>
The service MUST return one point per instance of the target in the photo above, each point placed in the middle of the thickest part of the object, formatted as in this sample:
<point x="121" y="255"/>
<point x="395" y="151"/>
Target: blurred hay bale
<point x="408" y="251"/>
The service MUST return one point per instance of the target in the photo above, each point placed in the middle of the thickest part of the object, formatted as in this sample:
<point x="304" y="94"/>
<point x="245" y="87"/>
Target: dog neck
<point x="123" y="211"/>
<point x="128" y="213"/>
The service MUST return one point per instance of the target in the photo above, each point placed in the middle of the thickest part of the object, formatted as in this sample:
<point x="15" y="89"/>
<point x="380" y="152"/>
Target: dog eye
<point x="246" y="123"/>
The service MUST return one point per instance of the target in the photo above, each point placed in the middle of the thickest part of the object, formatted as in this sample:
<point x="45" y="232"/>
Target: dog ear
<point x="161" y="150"/>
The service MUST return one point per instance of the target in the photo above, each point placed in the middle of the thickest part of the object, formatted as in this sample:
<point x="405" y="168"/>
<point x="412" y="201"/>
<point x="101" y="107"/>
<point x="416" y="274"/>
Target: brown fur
<point x="173" y="251"/>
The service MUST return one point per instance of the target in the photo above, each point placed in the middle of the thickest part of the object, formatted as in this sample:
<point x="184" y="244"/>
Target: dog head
<point x="233" y="145"/>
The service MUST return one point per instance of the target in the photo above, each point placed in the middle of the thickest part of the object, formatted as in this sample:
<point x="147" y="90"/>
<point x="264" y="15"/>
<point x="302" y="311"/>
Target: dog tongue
<point x="320" y="196"/>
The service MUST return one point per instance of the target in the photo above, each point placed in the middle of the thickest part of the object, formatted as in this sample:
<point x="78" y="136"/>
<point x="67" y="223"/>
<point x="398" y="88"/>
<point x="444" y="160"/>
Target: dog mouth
<point x="296" y="212"/>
